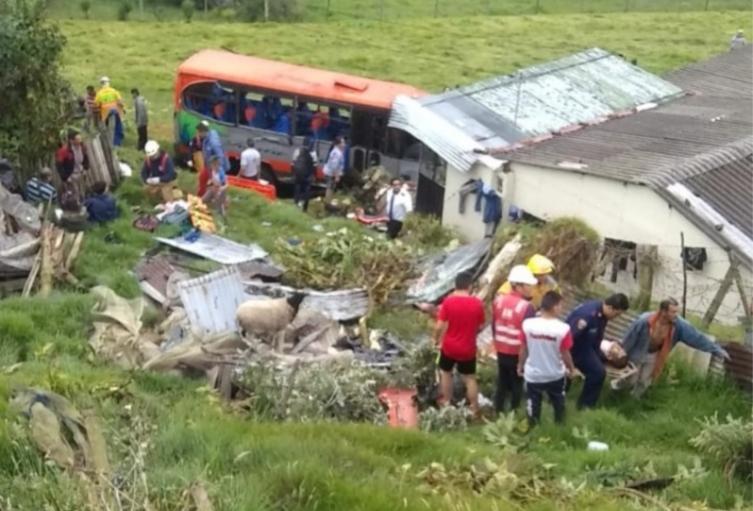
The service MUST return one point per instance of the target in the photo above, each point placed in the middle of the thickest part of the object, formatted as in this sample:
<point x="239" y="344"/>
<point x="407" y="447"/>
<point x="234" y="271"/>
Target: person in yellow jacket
<point x="107" y="99"/>
<point x="542" y="268"/>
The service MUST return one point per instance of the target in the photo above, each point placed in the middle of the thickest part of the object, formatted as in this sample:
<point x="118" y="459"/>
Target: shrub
<point x="85" y="5"/>
<point x="124" y="10"/>
<point x="729" y="442"/>
<point x="279" y="10"/>
<point x="188" y="7"/>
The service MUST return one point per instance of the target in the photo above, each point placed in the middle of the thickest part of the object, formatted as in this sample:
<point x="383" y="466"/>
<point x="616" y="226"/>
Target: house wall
<point x="469" y="225"/>
<point x="631" y="213"/>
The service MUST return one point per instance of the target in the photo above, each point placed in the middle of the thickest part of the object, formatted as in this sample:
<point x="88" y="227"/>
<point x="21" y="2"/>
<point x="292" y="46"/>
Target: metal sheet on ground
<point x="340" y="305"/>
<point x="217" y="248"/>
<point x="212" y="300"/>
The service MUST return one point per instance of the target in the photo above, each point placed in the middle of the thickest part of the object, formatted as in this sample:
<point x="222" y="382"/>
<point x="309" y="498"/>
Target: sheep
<point x="266" y="318"/>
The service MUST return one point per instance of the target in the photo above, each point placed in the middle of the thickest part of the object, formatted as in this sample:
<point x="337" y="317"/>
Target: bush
<point x="729" y="442"/>
<point x="188" y="7"/>
<point x="124" y="10"/>
<point x="86" y="6"/>
<point x="30" y="56"/>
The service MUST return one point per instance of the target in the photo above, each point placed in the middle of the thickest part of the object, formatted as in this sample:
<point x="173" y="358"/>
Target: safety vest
<point x="509" y="311"/>
<point x="108" y="99"/>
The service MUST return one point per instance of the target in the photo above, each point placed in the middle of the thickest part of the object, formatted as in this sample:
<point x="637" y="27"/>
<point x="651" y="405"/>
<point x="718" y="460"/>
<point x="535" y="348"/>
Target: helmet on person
<point x="151" y="148"/>
<point x="520" y="274"/>
<point x="540" y="265"/>
<point x="104" y="80"/>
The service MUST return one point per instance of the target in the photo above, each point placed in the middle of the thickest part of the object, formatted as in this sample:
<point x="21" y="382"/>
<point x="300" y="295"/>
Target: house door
<point x="429" y="196"/>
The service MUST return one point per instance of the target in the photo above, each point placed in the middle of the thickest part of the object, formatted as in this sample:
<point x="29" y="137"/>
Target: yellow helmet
<point x="540" y="265"/>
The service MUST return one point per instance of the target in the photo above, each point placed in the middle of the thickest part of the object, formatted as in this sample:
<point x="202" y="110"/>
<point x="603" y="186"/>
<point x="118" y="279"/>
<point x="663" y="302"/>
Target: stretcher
<point x="263" y="188"/>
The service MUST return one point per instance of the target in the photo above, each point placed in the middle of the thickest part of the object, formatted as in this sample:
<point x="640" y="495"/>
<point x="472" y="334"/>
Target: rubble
<point x="340" y="305"/>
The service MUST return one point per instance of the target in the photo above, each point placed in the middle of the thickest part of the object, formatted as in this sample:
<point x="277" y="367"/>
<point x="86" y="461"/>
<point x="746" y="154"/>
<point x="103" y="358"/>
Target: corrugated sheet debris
<point x="211" y="300"/>
<point x="217" y="248"/>
<point x="340" y="305"/>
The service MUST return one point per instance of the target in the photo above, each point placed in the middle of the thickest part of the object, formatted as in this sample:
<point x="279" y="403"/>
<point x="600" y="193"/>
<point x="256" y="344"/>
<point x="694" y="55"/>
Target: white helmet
<point x="151" y="148"/>
<point x="104" y="80"/>
<point x="520" y="274"/>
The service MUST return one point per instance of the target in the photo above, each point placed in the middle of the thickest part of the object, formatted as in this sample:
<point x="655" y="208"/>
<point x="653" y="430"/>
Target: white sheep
<point x="266" y="318"/>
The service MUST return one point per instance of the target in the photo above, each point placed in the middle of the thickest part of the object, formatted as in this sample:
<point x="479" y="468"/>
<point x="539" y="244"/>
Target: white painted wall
<point x="632" y="213"/>
<point x="469" y="225"/>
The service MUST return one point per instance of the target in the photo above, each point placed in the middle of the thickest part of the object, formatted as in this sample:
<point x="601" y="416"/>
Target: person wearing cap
<point x="40" y="190"/>
<point x="158" y="172"/>
<point x="509" y="310"/>
<point x="216" y="194"/>
<point x="250" y="161"/>
<point x="211" y="146"/>
<point x="111" y="109"/>
<point x="588" y="322"/>
<point x="738" y="41"/>
<point x="542" y="268"/>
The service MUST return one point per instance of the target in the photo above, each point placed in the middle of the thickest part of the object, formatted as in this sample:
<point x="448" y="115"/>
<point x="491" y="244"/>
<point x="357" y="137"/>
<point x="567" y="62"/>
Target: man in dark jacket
<point x="304" y="168"/>
<point x="587" y="323"/>
<point x="100" y="205"/>
<point x="158" y="172"/>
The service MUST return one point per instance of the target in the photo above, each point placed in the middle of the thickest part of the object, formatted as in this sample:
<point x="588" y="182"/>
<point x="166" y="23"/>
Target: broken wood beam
<point x="646" y="259"/>
<point x="716" y="302"/>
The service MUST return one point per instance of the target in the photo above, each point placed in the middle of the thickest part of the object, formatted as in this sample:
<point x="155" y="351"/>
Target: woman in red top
<point x="459" y="320"/>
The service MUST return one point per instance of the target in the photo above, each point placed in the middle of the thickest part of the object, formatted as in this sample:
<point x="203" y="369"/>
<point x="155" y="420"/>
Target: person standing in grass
<point x="216" y="194"/>
<point x="141" y="117"/>
<point x="545" y="358"/>
<point x="459" y="320"/>
<point x="250" y="161"/>
<point x="651" y="337"/>
<point x="304" y="169"/>
<point x="398" y="204"/>
<point x="508" y="313"/>
<point x="335" y="166"/>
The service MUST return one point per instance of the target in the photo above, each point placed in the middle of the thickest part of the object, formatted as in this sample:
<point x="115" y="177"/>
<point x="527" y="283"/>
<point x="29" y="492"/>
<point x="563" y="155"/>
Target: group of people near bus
<point x="539" y="354"/>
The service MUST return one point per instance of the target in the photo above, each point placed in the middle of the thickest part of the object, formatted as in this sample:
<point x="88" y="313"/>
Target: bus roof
<point x="296" y="80"/>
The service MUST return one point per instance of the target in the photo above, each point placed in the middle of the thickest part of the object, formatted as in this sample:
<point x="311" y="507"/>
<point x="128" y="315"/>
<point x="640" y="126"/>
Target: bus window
<point x="402" y="145"/>
<point x="267" y="112"/>
<point x="211" y="100"/>
<point x="321" y="121"/>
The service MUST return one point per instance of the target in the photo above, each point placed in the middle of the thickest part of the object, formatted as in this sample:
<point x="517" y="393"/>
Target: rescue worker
<point x="542" y="268"/>
<point x="651" y="337"/>
<point x="111" y="109"/>
<point x="588" y="321"/>
<point x="509" y="310"/>
<point x="158" y="172"/>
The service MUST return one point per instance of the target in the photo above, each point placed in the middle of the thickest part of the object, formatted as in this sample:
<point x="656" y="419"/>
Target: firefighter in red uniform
<point x="508" y="312"/>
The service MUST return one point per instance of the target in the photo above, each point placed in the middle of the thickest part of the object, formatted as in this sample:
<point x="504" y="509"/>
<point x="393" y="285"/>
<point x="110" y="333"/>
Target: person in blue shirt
<point x="588" y="321"/>
<point x="211" y="146"/>
<point x="41" y="190"/>
<point x="158" y="172"/>
<point x="100" y="205"/>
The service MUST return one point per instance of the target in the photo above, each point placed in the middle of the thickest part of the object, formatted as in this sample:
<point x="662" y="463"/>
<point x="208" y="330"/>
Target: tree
<point x="188" y="8"/>
<point x="36" y="100"/>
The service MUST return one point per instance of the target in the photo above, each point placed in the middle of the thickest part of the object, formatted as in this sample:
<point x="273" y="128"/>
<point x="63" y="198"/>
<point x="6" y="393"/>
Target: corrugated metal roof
<point x="498" y="113"/>
<point x="211" y="300"/>
<point x="339" y="305"/>
<point x="702" y="141"/>
<point x="217" y="248"/>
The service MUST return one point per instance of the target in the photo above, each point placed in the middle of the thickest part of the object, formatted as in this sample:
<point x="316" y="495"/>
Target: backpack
<point x="303" y="165"/>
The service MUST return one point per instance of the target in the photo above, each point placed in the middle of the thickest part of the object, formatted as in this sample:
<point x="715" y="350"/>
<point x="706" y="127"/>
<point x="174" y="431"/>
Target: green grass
<point x="329" y="10"/>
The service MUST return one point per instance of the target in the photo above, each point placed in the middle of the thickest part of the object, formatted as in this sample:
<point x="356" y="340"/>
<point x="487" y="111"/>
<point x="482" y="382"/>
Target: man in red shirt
<point x="508" y="313"/>
<point x="459" y="320"/>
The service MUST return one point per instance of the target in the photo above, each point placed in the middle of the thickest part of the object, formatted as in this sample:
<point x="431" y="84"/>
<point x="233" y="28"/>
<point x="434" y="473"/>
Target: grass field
<point x="249" y="465"/>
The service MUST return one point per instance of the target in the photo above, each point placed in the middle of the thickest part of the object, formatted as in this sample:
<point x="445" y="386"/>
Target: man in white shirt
<point x="397" y="205"/>
<point x="250" y="161"/>
<point x="545" y="358"/>
<point x="335" y="166"/>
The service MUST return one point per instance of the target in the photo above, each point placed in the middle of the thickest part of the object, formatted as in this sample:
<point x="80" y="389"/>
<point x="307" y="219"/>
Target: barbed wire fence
<point x="396" y="9"/>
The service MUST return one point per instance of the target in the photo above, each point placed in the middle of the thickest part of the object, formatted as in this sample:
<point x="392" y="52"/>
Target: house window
<point x="695" y="257"/>
<point x="619" y="255"/>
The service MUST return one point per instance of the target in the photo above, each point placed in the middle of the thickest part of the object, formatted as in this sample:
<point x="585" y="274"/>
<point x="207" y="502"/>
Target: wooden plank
<point x="31" y="279"/>
<point x="75" y="249"/>
<point x="716" y="302"/>
<point x="46" y="267"/>
<point x="647" y="257"/>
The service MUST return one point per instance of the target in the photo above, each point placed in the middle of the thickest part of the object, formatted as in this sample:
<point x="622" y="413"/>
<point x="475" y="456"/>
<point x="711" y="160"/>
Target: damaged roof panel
<point x="217" y="248"/>
<point x="498" y="113"/>
<point x="212" y="300"/>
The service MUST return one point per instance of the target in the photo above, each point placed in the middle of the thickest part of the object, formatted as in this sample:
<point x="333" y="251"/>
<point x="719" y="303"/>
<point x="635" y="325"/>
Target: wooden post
<point x="706" y="7"/>
<point x="537" y="9"/>
<point x="716" y="302"/>
<point x="141" y="6"/>
<point x="684" y="274"/>
<point x="328" y="7"/>
<point x="206" y="6"/>
<point x="436" y="8"/>
<point x="646" y="258"/>
<point x="266" y="10"/>
<point x="627" y="5"/>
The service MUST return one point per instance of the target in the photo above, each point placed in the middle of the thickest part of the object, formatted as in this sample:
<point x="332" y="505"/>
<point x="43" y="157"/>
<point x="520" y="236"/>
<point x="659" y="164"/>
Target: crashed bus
<point x="278" y="104"/>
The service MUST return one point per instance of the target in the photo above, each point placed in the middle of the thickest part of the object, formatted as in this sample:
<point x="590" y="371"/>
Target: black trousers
<point x="142" y="137"/>
<point x="589" y="363"/>
<point x="393" y="228"/>
<point x="555" y="390"/>
<point x="509" y="384"/>
<point x="301" y="188"/>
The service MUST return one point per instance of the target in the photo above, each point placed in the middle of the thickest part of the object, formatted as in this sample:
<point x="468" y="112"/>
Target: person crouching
<point x="216" y="194"/>
<point x="158" y="172"/>
<point x="545" y="358"/>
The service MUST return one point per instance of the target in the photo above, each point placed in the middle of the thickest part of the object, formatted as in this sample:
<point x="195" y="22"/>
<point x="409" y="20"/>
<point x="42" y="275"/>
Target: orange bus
<point x="279" y="104"/>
